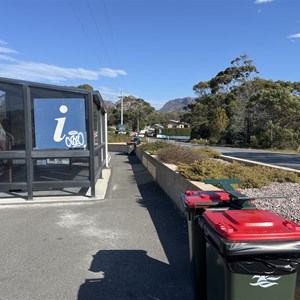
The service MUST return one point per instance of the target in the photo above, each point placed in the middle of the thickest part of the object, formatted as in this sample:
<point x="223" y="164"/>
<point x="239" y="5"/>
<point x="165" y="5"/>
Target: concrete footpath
<point x="129" y="244"/>
<point x="133" y="244"/>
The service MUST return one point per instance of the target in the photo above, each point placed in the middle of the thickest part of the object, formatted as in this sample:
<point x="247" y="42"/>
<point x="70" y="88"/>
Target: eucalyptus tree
<point x="136" y="112"/>
<point x="274" y="111"/>
<point x="227" y="94"/>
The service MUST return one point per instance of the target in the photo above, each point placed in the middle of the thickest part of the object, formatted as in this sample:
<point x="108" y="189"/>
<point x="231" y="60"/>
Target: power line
<point x="85" y="33"/>
<point x="99" y="35"/>
<point x="110" y="33"/>
<point x="102" y="42"/>
<point x="113" y="42"/>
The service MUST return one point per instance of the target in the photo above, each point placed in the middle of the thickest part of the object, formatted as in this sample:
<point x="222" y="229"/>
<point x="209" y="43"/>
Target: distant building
<point x="177" y="124"/>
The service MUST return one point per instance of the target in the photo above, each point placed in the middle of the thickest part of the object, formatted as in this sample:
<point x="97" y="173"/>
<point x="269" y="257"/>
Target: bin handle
<point x="225" y="184"/>
<point x="208" y="203"/>
<point x="198" y="204"/>
<point x="182" y="197"/>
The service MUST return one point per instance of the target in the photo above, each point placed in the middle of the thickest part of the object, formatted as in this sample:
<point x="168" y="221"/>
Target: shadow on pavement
<point x="129" y="274"/>
<point x="132" y="274"/>
<point x="169" y="223"/>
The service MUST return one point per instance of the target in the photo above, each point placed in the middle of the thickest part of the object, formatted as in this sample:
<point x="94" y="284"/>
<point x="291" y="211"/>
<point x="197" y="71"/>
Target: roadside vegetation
<point x="203" y="163"/>
<point x="235" y="108"/>
<point x="117" y="138"/>
<point x="238" y="108"/>
<point x="112" y="137"/>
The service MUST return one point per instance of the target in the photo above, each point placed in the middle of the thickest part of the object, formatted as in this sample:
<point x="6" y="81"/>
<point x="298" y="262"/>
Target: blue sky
<point x="152" y="49"/>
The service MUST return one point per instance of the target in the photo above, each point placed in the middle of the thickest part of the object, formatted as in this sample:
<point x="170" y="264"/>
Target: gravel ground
<point x="289" y="207"/>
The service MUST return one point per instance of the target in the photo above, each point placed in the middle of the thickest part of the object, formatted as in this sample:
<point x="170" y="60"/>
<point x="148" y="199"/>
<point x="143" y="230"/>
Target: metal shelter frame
<point x="19" y="163"/>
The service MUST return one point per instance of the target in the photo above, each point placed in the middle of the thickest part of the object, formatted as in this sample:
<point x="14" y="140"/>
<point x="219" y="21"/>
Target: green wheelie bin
<point x="195" y="203"/>
<point x="250" y="255"/>
<point x="131" y="145"/>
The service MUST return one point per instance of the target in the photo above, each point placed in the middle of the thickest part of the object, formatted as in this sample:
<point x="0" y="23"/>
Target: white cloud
<point x="33" y="71"/>
<point x="39" y="71"/>
<point x="107" y="72"/>
<point x="262" y="1"/>
<point x="4" y="51"/>
<point x="6" y="57"/>
<point x="294" y="36"/>
<point x="108" y="93"/>
<point x="7" y="50"/>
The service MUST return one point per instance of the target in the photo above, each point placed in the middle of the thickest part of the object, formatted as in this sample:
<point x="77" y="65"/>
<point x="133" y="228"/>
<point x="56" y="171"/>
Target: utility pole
<point x="122" y="107"/>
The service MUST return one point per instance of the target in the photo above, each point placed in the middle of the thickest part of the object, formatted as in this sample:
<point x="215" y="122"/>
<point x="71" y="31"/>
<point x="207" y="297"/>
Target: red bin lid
<point x="251" y="225"/>
<point x="192" y="197"/>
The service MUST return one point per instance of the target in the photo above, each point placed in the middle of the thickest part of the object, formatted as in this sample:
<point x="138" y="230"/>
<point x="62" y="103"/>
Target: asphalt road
<point x="268" y="157"/>
<point x="132" y="245"/>
<point x="281" y="159"/>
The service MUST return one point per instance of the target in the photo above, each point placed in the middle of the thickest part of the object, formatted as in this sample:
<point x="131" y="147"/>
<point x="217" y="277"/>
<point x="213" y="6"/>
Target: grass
<point x="201" y="163"/>
<point x="153" y="148"/>
<point x="251" y="176"/>
<point x="117" y="138"/>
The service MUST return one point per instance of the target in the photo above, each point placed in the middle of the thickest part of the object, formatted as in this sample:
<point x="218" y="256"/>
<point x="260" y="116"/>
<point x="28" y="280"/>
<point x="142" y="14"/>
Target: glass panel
<point x="59" y="169"/>
<point x="96" y="163"/>
<point x="13" y="170"/>
<point x="95" y="124"/>
<point x="12" y="133"/>
<point x="59" y="119"/>
<point x="99" y="138"/>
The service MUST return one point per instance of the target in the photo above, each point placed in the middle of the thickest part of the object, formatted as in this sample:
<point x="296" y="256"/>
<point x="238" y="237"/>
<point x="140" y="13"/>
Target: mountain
<point x="176" y="104"/>
<point x="109" y="104"/>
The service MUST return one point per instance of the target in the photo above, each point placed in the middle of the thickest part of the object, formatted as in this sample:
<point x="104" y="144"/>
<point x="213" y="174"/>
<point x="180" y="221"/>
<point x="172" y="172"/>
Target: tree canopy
<point x="136" y="112"/>
<point x="237" y="107"/>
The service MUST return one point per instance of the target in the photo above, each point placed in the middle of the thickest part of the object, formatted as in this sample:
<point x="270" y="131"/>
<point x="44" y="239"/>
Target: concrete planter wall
<point x="173" y="183"/>
<point x="117" y="147"/>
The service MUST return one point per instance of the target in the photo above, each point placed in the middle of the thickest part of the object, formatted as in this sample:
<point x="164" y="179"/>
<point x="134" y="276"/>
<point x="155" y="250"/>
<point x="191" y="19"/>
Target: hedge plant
<point x="201" y="163"/>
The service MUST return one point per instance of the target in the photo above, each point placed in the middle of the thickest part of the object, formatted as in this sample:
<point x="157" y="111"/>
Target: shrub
<point x="117" y="138"/>
<point x="207" y="152"/>
<point x="169" y="148"/>
<point x="284" y="176"/>
<point x="196" y="164"/>
<point x="252" y="177"/>
<point x="203" y="169"/>
<point x="153" y="148"/>
<point x="199" y="142"/>
<point x="176" y="155"/>
<point x="177" y="131"/>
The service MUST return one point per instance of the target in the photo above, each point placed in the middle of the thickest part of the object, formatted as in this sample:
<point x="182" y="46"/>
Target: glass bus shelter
<point x="51" y="137"/>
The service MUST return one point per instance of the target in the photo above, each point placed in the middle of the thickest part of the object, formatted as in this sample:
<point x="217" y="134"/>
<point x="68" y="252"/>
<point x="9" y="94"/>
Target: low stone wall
<point x="173" y="183"/>
<point x="117" y="147"/>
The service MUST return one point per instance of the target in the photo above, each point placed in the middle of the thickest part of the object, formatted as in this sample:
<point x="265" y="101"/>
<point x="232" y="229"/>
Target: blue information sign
<point x="59" y="123"/>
